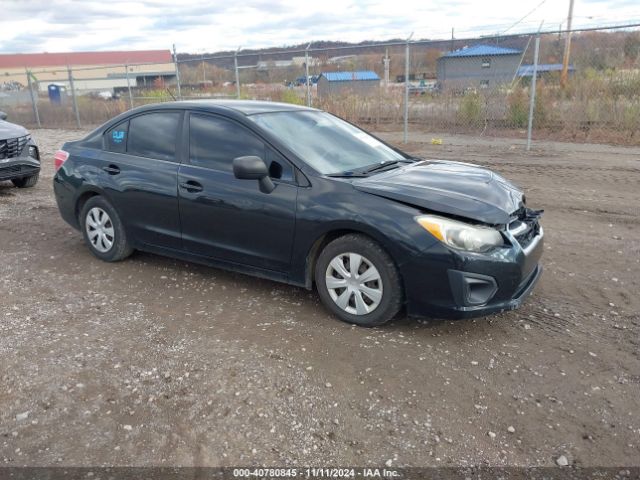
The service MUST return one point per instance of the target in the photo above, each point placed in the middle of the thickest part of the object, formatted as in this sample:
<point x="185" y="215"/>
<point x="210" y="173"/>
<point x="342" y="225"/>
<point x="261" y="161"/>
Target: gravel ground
<point x="154" y="361"/>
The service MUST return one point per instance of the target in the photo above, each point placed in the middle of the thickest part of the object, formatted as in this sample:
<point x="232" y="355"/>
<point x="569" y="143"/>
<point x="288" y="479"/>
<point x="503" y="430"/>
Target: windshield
<point x="326" y="143"/>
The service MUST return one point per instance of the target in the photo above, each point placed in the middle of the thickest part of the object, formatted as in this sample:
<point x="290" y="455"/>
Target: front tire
<point x="103" y="231"/>
<point x="25" y="182"/>
<point x="358" y="281"/>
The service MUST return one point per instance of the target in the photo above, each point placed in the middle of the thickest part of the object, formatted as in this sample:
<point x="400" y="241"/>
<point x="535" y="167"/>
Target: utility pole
<point x="452" y="39"/>
<point x="564" y="76"/>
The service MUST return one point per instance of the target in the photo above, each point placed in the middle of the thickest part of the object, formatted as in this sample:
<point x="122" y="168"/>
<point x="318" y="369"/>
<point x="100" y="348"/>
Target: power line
<point x="390" y="43"/>
<point x="396" y="43"/>
<point x="516" y="23"/>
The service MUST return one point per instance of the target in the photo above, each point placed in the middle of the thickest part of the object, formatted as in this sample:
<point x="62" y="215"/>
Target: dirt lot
<point x="154" y="361"/>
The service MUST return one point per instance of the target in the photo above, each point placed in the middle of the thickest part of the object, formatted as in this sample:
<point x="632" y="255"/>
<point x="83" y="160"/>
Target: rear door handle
<point x="191" y="186"/>
<point x="112" y="169"/>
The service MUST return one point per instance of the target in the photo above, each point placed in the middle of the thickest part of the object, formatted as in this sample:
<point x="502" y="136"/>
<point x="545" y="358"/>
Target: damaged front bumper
<point x="443" y="283"/>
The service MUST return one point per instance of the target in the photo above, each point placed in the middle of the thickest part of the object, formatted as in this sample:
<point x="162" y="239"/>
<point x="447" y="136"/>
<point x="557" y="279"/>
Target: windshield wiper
<point x="374" y="168"/>
<point x="346" y="174"/>
<point x="380" y="166"/>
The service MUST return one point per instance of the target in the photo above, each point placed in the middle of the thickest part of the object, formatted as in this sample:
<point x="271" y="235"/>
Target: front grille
<point x="12" y="147"/>
<point x="526" y="227"/>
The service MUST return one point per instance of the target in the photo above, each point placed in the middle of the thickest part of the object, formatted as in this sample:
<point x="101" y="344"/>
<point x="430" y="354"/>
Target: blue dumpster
<point x="57" y="93"/>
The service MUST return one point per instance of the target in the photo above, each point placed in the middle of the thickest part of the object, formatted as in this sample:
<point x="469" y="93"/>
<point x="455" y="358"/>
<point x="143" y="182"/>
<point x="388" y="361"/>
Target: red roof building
<point x="62" y="59"/>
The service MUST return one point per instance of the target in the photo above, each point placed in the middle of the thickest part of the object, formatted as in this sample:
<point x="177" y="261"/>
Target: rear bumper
<point x="66" y="198"/>
<point x="456" y="285"/>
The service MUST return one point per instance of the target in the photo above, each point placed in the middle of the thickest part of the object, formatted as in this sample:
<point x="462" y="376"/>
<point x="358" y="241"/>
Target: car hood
<point x="11" y="130"/>
<point x="452" y="188"/>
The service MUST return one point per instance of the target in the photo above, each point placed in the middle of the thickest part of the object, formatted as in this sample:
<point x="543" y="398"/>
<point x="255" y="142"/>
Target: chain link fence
<point x="477" y="86"/>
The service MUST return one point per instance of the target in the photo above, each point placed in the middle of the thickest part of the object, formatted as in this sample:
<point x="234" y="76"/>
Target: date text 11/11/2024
<point x="313" y="472"/>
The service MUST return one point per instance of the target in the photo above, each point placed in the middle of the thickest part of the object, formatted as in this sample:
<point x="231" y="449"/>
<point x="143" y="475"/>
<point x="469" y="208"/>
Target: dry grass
<point x="598" y="106"/>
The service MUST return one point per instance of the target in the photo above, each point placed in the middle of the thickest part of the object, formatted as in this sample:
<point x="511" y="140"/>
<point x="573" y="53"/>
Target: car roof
<point x="245" y="107"/>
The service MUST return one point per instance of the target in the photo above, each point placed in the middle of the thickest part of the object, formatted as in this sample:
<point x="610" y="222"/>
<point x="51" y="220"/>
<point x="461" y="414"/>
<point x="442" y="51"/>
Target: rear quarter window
<point x="154" y="135"/>
<point x="115" y="139"/>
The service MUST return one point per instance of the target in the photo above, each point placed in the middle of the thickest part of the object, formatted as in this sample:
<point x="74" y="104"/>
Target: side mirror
<point x="253" y="168"/>
<point x="3" y="116"/>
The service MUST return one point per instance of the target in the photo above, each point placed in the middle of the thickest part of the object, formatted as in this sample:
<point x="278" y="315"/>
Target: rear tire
<point x="26" y="182"/>
<point x="103" y="230"/>
<point x="358" y="281"/>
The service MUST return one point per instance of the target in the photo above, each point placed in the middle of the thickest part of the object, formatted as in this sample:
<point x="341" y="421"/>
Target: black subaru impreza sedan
<point x="300" y="196"/>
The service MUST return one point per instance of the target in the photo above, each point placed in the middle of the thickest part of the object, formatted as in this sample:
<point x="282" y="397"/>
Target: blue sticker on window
<point x="118" y="136"/>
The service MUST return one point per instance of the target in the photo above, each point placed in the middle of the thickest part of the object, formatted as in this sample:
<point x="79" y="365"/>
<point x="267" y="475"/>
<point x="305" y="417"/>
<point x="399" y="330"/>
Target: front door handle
<point x="112" y="169"/>
<point x="191" y="186"/>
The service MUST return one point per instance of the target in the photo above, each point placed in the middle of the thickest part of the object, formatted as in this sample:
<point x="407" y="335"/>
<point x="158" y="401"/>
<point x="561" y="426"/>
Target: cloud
<point x="198" y="26"/>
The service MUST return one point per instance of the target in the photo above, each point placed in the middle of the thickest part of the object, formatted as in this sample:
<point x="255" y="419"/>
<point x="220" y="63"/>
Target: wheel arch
<point x="327" y="237"/>
<point x="84" y="196"/>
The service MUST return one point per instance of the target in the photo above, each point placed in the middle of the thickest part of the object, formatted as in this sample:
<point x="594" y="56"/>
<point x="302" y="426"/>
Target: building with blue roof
<point x="543" y="69"/>
<point x="482" y="51"/>
<point x="478" y="66"/>
<point x="362" y="82"/>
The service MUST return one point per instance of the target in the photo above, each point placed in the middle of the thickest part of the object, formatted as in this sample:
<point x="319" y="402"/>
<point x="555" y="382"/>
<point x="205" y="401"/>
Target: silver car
<point x="19" y="155"/>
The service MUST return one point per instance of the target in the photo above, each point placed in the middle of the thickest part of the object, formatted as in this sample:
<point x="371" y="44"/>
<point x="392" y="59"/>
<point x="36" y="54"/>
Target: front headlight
<point x="460" y="235"/>
<point x="33" y="152"/>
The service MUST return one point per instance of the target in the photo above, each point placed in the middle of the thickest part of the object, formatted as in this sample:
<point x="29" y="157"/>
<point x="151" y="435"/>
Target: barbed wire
<point x="399" y="43"/>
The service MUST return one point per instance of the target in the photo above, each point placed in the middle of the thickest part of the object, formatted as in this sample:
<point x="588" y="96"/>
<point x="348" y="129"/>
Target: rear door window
<point x="115" y="139"/>
<point x="154" y="135"/>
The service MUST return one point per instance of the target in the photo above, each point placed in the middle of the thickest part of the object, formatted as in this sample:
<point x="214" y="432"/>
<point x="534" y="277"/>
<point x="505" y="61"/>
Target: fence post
<point x="126" y="69"/>
<point x="175" y="62"/>
<point x="405" y="136"/>
<point x="532" y="99"/>
<point x="34" y="99"/>
<point x="306" y="70"/>
<point x="385" y="62"/>
<point x="73" y="96"/>
<point x="564" y="75"/>
<point x="235" y="66"/>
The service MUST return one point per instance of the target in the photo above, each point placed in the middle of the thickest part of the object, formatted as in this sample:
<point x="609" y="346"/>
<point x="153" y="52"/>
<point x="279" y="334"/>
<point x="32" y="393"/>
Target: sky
<point x="196" y="27"/>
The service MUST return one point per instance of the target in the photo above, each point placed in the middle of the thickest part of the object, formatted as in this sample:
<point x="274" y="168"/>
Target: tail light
<point x="59" y="158"/>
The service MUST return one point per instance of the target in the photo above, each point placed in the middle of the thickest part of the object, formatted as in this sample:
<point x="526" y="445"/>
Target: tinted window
<point x="115" y="139"/>
<point x="325" y="142"/>
<point x="214" y="142"/>
<point x="154" y="135"/>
